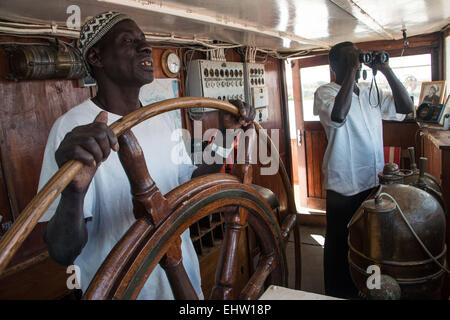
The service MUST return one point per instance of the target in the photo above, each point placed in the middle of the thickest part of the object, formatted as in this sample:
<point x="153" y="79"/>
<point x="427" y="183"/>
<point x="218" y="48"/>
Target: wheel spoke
<point x="148" y="201"/>
<point x="287" y="226"/>
<point x="253" y="288"/>
<point x="172" y="264"/>
<point x="227" y="265"/>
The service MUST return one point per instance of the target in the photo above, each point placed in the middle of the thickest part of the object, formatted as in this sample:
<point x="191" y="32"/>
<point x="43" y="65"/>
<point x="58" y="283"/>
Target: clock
<point x="170" y="63"/>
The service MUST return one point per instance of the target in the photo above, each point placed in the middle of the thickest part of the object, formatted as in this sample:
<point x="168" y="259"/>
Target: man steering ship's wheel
<point x="155" y="236"/>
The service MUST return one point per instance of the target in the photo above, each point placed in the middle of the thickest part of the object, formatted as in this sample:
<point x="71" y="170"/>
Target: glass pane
<point x="411" y="70"/>
<point x="312" y="78"/>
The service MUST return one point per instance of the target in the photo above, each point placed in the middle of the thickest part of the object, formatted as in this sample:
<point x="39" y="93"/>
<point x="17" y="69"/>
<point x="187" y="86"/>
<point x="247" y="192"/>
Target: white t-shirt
<point x="108" y="199"/>
<point x="354" y="154"/>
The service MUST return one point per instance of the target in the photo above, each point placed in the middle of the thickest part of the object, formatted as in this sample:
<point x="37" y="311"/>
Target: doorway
<point x="307" y="137"/>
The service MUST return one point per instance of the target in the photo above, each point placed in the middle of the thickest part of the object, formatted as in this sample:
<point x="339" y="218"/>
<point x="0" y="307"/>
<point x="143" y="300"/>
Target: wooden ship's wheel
<point x="155" y="237"/>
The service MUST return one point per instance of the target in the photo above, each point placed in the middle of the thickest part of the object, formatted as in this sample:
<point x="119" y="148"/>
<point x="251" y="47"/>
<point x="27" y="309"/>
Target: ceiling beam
<point x="353" y="9"/>
<point x="209" y="17"/>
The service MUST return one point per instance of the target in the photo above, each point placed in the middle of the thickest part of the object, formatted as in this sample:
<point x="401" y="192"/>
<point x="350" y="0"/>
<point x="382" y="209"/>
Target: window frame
<point x="432" y="43"/>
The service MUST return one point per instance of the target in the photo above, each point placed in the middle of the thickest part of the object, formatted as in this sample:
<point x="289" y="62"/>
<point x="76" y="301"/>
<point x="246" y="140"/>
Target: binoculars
<point x="371" y="58"/>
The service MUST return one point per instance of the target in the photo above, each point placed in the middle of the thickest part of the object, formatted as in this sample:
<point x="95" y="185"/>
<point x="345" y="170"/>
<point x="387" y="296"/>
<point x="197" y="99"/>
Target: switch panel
<point x="256" y="90"/>
<point x="215" y="79"/>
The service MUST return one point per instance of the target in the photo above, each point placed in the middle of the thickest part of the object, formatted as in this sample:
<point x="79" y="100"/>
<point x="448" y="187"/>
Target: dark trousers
<point x="340" y="210"/>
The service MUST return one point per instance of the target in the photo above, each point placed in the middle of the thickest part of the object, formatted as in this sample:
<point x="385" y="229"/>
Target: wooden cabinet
<point x="436" y="147"/>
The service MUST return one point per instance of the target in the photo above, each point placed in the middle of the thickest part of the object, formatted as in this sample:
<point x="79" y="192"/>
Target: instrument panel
<point x="228" y="81"/>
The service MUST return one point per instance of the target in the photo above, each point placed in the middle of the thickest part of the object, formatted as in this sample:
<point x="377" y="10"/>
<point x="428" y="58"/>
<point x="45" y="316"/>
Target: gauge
<point x="170" y="63"/>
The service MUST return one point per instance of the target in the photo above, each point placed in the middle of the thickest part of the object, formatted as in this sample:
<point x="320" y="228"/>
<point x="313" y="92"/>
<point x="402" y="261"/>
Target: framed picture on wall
<point x="432" y="92"/>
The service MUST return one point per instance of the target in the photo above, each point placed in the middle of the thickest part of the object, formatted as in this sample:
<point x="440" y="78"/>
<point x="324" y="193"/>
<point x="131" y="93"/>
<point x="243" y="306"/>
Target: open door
<point x="296" y="125"/>
<point x="308" y="141"/>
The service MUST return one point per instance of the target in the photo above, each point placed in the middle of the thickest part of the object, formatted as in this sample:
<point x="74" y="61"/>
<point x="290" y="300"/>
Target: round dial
<point x="170" y="63"/>
<point x="173" y="62"/>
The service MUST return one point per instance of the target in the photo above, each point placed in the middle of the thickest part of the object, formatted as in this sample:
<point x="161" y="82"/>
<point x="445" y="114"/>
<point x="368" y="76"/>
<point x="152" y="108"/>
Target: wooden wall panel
<point x="315" y="144"/>
<point x="309" y="162"/>
<point x="295" y="160"/>
<point x="276" y="116"/>
<point x="403" y="135"/>
<point x="434" y="156"/>
<point x="43" y="279"/>
<point x="28" y="110"/>
<point x="318" y="137"/>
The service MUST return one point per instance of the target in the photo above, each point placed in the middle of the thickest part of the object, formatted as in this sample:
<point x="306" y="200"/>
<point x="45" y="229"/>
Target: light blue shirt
<point x="354" y="154"/>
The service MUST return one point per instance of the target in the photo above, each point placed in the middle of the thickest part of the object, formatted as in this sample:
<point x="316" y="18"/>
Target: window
<point x="311" y="79"/>
<point x="411" y="70"/>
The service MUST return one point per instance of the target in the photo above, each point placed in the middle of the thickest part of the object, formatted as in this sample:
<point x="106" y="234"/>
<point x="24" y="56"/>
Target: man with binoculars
<point x="354" y="155"/>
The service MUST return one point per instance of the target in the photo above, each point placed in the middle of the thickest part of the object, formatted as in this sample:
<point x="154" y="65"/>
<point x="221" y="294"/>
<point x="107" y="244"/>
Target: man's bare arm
<point x="66" y="234"/>
<point x="402" y="100"/>
<point x="343" y="99"/>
